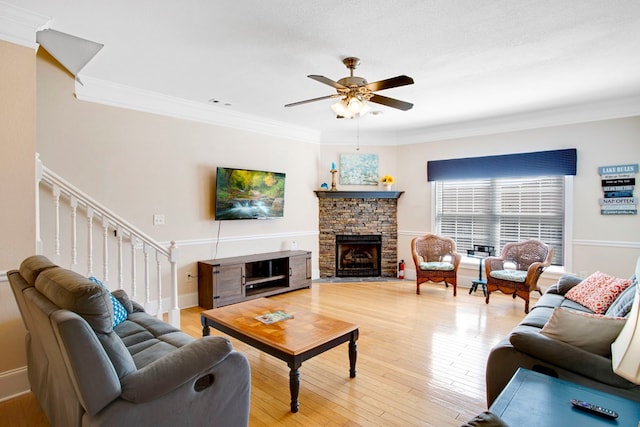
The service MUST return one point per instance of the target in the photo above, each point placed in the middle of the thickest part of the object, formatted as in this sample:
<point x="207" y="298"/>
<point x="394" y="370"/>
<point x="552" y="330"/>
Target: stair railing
<point x="115" y="231"/>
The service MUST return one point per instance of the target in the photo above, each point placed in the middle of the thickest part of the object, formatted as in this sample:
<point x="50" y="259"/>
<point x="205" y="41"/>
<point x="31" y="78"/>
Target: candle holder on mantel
<point x="333" y="180"/>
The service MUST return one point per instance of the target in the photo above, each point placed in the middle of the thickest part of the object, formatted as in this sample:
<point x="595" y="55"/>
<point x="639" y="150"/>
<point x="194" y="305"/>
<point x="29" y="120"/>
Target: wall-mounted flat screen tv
<point x="249" y="194"/>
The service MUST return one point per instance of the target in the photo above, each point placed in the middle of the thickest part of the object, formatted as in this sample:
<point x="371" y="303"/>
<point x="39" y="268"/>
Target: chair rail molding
<point x="607" y="243"/>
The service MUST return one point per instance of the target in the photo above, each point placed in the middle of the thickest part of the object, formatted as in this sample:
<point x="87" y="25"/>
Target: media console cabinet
<point x="227" y="281"/>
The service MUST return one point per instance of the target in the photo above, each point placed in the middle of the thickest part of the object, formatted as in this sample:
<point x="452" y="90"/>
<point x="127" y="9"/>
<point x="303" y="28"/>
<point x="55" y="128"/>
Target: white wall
<point x="17" y="192"/>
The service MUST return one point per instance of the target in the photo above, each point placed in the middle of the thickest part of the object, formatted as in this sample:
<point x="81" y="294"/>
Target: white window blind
<point x="496" y="211"/>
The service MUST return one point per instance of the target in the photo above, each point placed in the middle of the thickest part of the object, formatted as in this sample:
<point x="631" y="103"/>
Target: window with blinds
<point x="495" y="211"/>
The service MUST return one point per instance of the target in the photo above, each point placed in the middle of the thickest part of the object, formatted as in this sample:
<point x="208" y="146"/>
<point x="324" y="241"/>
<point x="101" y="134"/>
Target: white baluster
<point x="105" y="248"/>
<point x="89" y="241"/>
<point x="120" y="233"/>
<point x="147" y="296"/>
<point x="134" y="267"/>
<point x="74" y="232"/>
<point x="159" y="274"/>
<point x="56" y="204"/>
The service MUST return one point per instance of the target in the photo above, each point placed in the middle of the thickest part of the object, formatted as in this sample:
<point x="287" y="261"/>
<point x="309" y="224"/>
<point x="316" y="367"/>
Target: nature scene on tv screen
<point x="246" y="194"/>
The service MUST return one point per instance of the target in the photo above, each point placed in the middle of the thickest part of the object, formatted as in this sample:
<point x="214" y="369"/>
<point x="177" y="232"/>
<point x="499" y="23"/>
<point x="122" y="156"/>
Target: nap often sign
<point x="618" y="186"/>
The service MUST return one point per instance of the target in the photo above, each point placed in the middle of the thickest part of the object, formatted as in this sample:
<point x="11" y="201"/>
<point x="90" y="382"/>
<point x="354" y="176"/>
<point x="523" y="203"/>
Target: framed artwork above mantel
<point x="358" y="169"/>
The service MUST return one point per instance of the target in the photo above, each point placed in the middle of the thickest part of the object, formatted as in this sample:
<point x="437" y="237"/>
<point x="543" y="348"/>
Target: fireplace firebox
<point x="358" y="255"/>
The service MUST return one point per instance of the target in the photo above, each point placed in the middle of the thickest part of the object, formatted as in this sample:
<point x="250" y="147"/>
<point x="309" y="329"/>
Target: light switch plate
<point x="158" y="219"/>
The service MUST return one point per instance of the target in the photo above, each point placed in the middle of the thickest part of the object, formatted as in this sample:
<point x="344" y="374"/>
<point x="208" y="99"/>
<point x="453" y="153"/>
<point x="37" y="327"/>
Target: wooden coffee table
<point x="293" y="340"/>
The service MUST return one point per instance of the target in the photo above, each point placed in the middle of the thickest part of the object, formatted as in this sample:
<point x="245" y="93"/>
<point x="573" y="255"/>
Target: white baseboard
<point x="188" y="300"/>
<point x="13" y="383"/>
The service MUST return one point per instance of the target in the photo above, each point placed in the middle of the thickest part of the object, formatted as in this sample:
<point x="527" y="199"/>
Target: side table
<point x="535" y="399"/>
<point x="480" y="252"/>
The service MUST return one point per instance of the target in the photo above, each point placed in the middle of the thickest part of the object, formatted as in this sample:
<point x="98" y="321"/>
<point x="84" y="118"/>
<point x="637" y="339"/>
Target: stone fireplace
<point x="365" y="224"/>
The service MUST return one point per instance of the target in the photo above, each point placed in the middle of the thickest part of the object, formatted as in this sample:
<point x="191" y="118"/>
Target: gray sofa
<point x="86" y="372"/>
<point x="526" y="347"/>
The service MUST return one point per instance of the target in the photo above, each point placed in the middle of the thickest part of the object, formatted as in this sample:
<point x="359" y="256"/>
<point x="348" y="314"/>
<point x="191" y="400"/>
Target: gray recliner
<point x="86" y="372"/>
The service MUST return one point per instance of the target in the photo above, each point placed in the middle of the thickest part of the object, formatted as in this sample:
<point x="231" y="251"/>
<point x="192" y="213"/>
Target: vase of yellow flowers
<point x="387" y="181"/>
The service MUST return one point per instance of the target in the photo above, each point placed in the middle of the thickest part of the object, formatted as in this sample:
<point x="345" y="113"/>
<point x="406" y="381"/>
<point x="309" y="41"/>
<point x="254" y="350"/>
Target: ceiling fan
<point x="355" y="91"/>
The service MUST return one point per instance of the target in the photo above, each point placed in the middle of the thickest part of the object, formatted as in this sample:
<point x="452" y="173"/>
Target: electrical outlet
<point x="158" y="219"/>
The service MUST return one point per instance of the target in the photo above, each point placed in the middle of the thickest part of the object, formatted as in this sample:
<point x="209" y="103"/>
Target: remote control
<point x="594" y="409"/>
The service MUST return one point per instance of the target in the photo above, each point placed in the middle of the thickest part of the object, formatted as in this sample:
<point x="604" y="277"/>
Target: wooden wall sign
<point x="618" y="185"/>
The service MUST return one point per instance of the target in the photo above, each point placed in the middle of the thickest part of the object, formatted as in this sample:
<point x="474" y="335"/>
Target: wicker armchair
<point x="517" y="269"/>
<point x="436" y="260"/>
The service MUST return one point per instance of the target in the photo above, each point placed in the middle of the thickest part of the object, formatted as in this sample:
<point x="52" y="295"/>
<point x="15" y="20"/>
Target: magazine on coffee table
<point x="273" y="317"/>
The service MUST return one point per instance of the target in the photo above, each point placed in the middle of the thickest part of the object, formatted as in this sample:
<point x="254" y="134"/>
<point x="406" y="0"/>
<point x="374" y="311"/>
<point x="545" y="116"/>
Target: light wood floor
<point x="421" y="359"/>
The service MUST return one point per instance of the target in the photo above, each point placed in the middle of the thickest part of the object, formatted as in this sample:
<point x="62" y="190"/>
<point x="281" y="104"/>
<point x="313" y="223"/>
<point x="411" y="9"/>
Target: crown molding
<point x="117" y="95"/>
<point x="19" y="26"/>
<point x="109" y="93"/>
<point x="614" y="108"/>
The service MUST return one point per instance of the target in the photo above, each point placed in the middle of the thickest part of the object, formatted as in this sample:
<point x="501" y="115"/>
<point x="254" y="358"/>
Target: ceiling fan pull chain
<point x="358" y="133"/>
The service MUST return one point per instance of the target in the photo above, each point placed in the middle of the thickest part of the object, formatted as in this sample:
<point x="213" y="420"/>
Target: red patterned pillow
<point x="597" y="291"/>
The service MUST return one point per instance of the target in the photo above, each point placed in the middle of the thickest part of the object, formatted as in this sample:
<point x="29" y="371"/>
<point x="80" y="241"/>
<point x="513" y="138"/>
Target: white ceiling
<point x="476" y="63"/>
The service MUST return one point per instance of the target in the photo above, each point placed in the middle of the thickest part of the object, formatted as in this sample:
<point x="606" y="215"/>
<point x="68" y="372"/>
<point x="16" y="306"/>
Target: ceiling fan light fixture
<point x="354" y="105"/>
<point x="350" y="107"/>
<point x="341" y="109"/>
<point x="364" y="109"/>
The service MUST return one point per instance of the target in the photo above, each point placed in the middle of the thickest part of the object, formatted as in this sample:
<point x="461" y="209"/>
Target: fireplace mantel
<point x="358" y="194"/>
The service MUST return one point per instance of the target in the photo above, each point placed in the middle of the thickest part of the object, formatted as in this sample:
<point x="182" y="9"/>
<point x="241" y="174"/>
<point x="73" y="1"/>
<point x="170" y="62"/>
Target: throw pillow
<point x="119" y="312"/>
<point x="622" y="305"/>
<point x="591" y="332"/>
<point x="567" y="282"/>
<point x="598" y="291"/>
<point x="124" y="299"/>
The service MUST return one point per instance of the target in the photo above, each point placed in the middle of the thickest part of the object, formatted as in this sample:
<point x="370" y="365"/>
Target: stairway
<point x="79" y="233"/>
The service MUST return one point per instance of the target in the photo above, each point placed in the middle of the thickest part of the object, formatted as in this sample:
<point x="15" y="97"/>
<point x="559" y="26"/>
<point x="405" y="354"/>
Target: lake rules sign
<point x="618" y="185"/>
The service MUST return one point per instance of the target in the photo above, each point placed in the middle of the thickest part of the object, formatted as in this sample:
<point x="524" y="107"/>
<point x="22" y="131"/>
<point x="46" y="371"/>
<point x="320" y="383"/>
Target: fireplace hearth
<point x="358" y="255"/>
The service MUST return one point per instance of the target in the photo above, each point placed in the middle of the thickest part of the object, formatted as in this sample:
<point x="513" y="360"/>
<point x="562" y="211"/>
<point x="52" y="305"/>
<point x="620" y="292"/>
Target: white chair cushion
<point x="436" y="265"/>
<point x="510" y="275"/>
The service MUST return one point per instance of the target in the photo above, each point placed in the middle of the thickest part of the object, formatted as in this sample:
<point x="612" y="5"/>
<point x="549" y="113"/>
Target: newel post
<point x="174" y="311"/>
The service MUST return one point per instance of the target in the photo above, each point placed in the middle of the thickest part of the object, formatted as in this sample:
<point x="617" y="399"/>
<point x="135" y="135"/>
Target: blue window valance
<point x="541" y="163"/>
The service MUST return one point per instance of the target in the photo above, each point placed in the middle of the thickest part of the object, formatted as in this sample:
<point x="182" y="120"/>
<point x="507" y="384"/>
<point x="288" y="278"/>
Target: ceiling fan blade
<point x="293" y="104"/>
<point x="390" y="102"/>
<point x="327" y="81"/>
<point x="389" y="83"/>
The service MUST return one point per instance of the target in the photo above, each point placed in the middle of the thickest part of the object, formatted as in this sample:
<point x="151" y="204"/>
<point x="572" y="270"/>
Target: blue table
<point x="534" y="399"/>
<point x="480" y="252"/>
